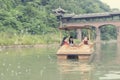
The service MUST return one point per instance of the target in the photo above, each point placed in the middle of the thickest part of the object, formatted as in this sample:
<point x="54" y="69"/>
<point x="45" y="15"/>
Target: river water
<point x="42" y="64"/>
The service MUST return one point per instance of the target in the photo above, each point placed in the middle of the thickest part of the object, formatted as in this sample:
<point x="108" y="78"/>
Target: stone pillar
<point x="98" y="39"/>
<point x="79" y="34"/>
<point x="118" y="34"/>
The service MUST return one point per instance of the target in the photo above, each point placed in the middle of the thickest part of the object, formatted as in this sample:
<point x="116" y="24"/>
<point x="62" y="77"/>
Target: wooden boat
<point x="77" y="52"/>
<point x="83" y="51"/>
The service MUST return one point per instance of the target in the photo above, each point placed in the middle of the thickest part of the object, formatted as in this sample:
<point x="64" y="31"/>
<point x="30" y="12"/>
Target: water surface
<point x="42" y="64"/>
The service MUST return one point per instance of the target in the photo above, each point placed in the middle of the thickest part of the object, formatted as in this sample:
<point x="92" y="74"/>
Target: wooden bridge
<point x="96" y="20"/>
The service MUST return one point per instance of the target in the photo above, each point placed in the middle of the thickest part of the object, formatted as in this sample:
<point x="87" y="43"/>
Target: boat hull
<point x="77" y="52"/>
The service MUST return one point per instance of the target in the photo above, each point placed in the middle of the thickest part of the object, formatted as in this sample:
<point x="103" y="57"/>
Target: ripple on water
<point x="116" y="72"/>
<point x="3" y="64"/>
<point x="2" y="74"/>
<point x="7" y="69"/>
<point x="110" y="77"/>
<point x="19" y="72"/>
<point x="18" y="67"/>
<point x="27" y="70"/>
<point x="9" y="64"/>
<point x="16" y="73"/>
<point x="6" y="52"/>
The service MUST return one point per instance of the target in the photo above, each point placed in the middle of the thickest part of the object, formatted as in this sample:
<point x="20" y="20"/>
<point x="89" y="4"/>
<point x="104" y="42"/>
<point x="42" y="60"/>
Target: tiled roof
<point x="91" y="15"/>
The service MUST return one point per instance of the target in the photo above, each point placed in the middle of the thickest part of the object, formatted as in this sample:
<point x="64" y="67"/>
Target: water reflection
<point x="108" y="62"/>
<point x="118" y="53"/>
<point x="83" y="70"/>
<point x="98" y="52"/>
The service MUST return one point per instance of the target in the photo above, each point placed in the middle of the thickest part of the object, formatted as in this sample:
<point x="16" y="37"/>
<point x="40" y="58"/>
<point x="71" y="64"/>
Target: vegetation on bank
<point x="28" y="39"/>
<point x="33" y="22"/>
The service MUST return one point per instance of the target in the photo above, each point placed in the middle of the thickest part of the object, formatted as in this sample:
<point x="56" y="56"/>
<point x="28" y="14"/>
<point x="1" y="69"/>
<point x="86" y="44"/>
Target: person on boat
<point x="71" y="43"/>
<point x="65" y="41"/>
<point x="85" y="41"/>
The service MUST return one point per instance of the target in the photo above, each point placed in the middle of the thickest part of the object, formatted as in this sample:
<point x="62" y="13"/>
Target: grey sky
<point x="112" y="3"/>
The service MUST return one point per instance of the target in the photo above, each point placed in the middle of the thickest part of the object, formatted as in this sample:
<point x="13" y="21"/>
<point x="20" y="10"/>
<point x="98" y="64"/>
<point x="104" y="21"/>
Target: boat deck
<point x="80" y="52"/>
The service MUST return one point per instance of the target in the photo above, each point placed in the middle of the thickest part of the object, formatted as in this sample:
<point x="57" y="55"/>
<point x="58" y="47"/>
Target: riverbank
<point x="28" y="39"/>
<point x="44" y="45"/>
<point x="30" y="46"/>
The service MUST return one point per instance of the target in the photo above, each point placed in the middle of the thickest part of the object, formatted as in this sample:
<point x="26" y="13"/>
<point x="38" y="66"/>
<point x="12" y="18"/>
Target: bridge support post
<point x="118" y="34"/>
<point x="79" y="34"/>
<point x="98" y="39"/>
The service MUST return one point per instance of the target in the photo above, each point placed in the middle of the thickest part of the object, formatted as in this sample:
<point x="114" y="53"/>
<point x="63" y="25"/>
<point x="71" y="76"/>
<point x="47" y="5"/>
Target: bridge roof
<point x="91" y="15"/>
<point x="70" y="27"/>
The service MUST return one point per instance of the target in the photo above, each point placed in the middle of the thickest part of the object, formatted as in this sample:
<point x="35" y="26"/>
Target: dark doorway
<point x="72" y="57"/>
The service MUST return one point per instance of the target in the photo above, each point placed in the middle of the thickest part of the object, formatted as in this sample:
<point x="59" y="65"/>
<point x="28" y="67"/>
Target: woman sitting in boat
<point x="71" y="43"/>
<point x="64" y="41"/>
<point x="85" y="41"/>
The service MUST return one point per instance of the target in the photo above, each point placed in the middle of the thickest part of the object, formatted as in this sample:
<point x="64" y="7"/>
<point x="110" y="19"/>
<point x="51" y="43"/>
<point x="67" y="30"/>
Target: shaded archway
<point x="90" y="33"/>
<point x="108" y="32"/>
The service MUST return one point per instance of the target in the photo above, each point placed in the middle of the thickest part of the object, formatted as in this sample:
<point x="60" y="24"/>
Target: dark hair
<point x="87" y="37"/>
<point x="70" y="41"/>
<point x="63" y="40"/>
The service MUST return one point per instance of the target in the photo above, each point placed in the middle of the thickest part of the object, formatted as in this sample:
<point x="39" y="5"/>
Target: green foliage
<point x="80" y="6"/>
<point x="108" y="32"/>
<point x="26" y="16"/>
<point x="35" y="17"/>
<point x="28" y="39"/>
